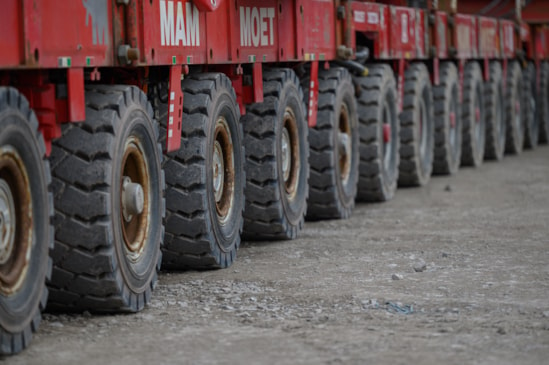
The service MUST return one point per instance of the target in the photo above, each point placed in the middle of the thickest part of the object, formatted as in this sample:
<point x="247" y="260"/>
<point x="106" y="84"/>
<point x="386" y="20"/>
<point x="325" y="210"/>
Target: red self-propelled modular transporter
<point x="135" y="133"/>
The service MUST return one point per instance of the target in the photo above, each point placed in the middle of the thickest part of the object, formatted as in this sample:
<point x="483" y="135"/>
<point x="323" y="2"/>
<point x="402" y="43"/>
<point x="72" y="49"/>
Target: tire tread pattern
<point x="373" y="89"/>
<point x="190" y="240"/>
<point x="12" y="343"/>
<point x="264" y="217"/>
<point x="411" y="172"/>
<point x="325" y="201"/>
<point x="86" y="273"/>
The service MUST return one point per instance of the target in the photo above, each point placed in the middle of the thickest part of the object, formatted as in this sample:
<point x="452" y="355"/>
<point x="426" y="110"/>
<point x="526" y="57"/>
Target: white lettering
<point x="256" y="26"/>
<point x="271" y="15"/>
<point x="166" y="23"/>
<point x="193" y="26"/>
<point x="373" y="18"/>
<point x="404" y="24"/>
<point x="245" y="26"/>
<point x="181" y="28"/>
<point x="263" y="15"/>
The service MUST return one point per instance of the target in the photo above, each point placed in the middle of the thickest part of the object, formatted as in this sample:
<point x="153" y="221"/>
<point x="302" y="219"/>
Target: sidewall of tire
<point x="227" y="234"/>
<point x="425" y="161"/>
<point x="18" y="309"/>
<point x="345" y="95"/>
<point x="390" y="177"/>
<point x="295" y="208"/>
<point x="137" y="122"/>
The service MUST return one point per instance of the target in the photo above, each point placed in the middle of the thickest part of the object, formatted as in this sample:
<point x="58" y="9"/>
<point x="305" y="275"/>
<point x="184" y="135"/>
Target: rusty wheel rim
<point x="290" y="154"/>
<point x="344" y="140"/>
<point x="15" y="221"/>
<point x="134" y="199"/>
<point x="223" y="170"/>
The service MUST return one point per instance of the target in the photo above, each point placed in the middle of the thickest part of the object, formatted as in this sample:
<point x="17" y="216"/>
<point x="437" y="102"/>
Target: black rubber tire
<point x="24" y="176"/>
<point x="531" y="127"/>
<point x="377" y="116"/>
<point x="473" y="116"/>
<point x="276" y="202"/>
<point x="515" y="111"/>
<point x="543" y="103"/>
<point x="495" y="114"/>
<point x="94" y="266"/>
<point x="196" y="236"/>
<point x="447" y="121"/>
<point x="334" y="175"/>
<point x="416" y="162"/>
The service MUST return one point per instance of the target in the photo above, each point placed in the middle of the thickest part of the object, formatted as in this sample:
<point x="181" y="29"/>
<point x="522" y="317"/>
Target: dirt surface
<point x="347" y="292"/>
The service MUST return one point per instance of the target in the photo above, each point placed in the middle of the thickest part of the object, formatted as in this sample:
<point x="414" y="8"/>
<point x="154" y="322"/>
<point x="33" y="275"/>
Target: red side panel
<point x="488" y="37"/>
<point x="175" y="32"/>
<point x="318" y="19"/>
<point x="507" y="36"/>
<point x="373" y="21"/>
<point x="441" y="34"/>
<point x="11" y="39"/>
<point x="407" y="29"/>
<point x="465" y="36"/>
<point x="66" y="33"/>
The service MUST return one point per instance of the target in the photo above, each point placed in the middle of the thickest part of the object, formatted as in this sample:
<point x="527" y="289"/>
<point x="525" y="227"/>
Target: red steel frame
<point x="38" y="52"/>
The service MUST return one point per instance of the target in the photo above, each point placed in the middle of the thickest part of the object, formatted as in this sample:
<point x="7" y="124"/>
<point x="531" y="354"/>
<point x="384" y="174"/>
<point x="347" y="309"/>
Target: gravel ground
<point x="453" y="273"/>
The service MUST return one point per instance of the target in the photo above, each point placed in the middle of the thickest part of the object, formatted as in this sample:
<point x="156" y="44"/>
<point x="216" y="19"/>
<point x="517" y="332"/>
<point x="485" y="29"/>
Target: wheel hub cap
<point x="286" y="154"/>
<point x="223" y="170"/>
<point x="218" y="171"/>
<point x="7" y="222"/>
<point x="133" y="199"/>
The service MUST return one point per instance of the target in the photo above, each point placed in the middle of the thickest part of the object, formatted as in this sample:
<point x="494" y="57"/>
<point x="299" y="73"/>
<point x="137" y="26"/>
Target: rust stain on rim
<point x="17" y="233"/>
<point x="135" y="230"/>
<point x="291" y="172"/>
<point x="223" y="169"/>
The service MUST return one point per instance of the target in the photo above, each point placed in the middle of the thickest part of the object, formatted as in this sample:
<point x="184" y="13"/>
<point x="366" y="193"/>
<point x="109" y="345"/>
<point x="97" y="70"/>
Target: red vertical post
<point x="76" y="102"/>
<point x="175" y="110"/>
<point x="313" y="95"/>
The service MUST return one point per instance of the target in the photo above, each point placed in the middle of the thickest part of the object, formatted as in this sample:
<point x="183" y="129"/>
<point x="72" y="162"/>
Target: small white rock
<point x="397" y="277"/>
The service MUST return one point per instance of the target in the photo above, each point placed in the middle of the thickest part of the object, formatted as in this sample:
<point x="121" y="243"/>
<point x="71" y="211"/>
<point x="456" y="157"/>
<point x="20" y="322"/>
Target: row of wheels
<point x="92" y="224"/>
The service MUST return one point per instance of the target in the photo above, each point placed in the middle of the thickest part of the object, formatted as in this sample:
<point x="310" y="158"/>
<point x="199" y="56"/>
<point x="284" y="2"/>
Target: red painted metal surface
<point x="313" y="95"/>
<point x="441" y="34"/>
<point x="175" y="110"/>
<point x="488" y="38"/>
<point x="536" y="12"/>
<point x="237" y="37"/>
<point x="465" y="39"/>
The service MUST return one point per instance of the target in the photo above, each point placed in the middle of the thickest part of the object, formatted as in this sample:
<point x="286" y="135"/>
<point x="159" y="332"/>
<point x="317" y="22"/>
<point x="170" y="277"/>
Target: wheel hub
<point x="133" y="199"/>
<point x="344" y="143"/>
<point x="387" y="139"/>
<point x="7" y="222"/>
<point x="290" y="153"/>
<point x="223" y="179"/>
<point x="423" y="129"/>
<point x="286" y="154"/>
<point x="218" y="171"/>
<point x="16" y="225"/>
